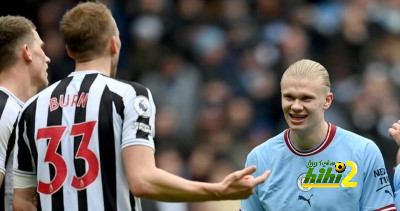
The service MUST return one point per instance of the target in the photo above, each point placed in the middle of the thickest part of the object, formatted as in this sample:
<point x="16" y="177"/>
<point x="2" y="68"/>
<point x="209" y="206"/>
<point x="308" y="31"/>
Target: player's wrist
<point x="214" y="190"/>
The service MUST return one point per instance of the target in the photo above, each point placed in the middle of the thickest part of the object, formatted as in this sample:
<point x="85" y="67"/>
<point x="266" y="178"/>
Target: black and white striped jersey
<point x="71" y="136"/>
<point x="10" y="106"/>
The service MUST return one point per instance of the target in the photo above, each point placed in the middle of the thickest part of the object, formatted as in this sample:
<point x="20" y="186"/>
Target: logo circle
<point x="300" y="182"/>
<point x="142" y="106"/>
<point x="340" y="167"/>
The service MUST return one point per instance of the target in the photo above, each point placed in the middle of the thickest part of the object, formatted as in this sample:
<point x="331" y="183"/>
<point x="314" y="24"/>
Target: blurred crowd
<point x="214" y="66"/>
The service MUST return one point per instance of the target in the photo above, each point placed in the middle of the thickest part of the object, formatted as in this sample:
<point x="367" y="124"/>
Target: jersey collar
<point x="84" y="72"/>
<point x="328" y="139"/>
<point x="12" y="95"/>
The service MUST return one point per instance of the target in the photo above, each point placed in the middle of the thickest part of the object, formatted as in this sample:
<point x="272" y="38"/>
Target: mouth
<point x="297" y="118"/>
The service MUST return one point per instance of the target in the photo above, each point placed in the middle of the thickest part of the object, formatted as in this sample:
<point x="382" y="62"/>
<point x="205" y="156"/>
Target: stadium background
<point x="214" y="67"/>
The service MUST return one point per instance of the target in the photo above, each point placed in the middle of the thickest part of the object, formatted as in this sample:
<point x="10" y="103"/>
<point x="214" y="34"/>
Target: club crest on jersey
<point x="142" y="106"/>
<point x="300" y="181"/>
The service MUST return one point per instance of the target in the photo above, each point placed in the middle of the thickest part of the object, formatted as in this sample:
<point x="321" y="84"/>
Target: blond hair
<point x="15" y="31"/>
<point x="309" y="69"/>
<point x="86" y="29"/>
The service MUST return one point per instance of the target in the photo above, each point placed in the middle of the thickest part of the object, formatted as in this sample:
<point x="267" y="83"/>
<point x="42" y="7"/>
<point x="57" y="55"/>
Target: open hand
<point x="240" y="184"/>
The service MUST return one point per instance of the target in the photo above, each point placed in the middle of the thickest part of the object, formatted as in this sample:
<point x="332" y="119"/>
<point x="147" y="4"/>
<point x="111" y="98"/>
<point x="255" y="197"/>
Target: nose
<point x="48" y="60"/>
<point x="296" y="106"/>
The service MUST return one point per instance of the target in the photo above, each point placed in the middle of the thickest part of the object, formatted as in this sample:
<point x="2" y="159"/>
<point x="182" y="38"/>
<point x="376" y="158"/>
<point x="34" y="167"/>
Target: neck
<point x="308" y="139"/>
<point x="18" y="82"/>
<point x="101" y="65"/>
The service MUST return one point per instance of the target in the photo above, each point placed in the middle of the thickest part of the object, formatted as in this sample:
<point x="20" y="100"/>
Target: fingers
<point x="241" y="184"/>
<point x="396" y="126"/>
<point x="262" y="178"/>
<point x="246" y="171"/>
<point x="394" y="132"/>
<point x="391" y="131"/>
<point x="246" y="175"/>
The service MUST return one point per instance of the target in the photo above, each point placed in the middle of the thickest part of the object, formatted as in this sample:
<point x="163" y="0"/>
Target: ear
<point x="114" y="45"/>
<point x="26" y="53"/>
<point x="70" y="54"/>
<point x="328" y="100"/>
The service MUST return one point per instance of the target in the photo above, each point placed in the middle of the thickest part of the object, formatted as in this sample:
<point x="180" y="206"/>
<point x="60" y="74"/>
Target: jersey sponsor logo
<point x="141" y="126"/>
<point x="383" y="178"/>
<point x="300" y="197"/>
<point x="312" y="164"/>
<point x="328" y="179"/>
<point x="388" y="192"/>
<point x="142" y="106"/>
<point x="69" y="100"/>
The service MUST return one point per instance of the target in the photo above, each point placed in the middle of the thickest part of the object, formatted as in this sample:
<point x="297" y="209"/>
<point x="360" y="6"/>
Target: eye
<point x="288" y="97"/>
<point x="306" y="98"/>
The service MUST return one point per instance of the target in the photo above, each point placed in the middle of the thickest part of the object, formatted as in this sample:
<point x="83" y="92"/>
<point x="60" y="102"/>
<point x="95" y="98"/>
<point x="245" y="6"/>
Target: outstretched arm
<point x="146" y="180"/>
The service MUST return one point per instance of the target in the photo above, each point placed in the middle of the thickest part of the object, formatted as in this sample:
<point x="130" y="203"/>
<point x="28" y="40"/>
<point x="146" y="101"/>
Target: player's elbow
<point x="141" y="182"/>
<point x="140" y="188"/>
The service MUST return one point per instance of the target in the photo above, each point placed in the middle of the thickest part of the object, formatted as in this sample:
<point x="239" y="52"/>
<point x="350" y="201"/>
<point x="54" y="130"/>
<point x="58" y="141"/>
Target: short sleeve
<point x="4" y="136"/>
<point x="7" y="123"/>
<point x="23" y="163"/>
<point x="377" y="192"/>
<point x="139" y="121"/>
<point x="396" y="183"/>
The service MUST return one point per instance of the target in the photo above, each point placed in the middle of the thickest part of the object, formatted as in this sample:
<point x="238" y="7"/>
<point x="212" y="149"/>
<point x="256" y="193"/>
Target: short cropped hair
<point x="86" y="29"/>
<point x="14" y="32"/>
<point x="309" y="69"/>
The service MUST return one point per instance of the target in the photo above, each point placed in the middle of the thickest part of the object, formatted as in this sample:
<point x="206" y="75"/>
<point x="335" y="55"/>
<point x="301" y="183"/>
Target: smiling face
<point x="304" y="101"/>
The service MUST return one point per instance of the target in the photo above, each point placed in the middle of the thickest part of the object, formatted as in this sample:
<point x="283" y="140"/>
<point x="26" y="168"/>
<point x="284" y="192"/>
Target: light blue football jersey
<point x="284" y="190"/>
<point x="396" y="183"/>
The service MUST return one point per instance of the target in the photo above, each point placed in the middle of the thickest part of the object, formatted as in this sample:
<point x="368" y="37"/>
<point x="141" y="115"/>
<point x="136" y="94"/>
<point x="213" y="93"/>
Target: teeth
<point x="297" y="116"/>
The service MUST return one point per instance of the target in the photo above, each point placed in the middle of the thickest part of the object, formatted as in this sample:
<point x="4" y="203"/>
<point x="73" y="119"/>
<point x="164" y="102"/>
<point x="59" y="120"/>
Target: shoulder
<point x="7" y="97"/>
<point x="3" y="96"/>
<point x="137" y="95"/>
<point x="10" y="107"/>
<point x="270" y="145"/>
<point x="356" y="142"/>
<point x="135" y="85"/>
<point x="125" y="87"/>
<point x="352" y="137"/>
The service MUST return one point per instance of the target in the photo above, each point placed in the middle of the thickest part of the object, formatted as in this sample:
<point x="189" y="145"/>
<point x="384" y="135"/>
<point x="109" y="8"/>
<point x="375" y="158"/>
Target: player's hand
<point x="394" y="131"/>
<point x="241" y="184"/>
